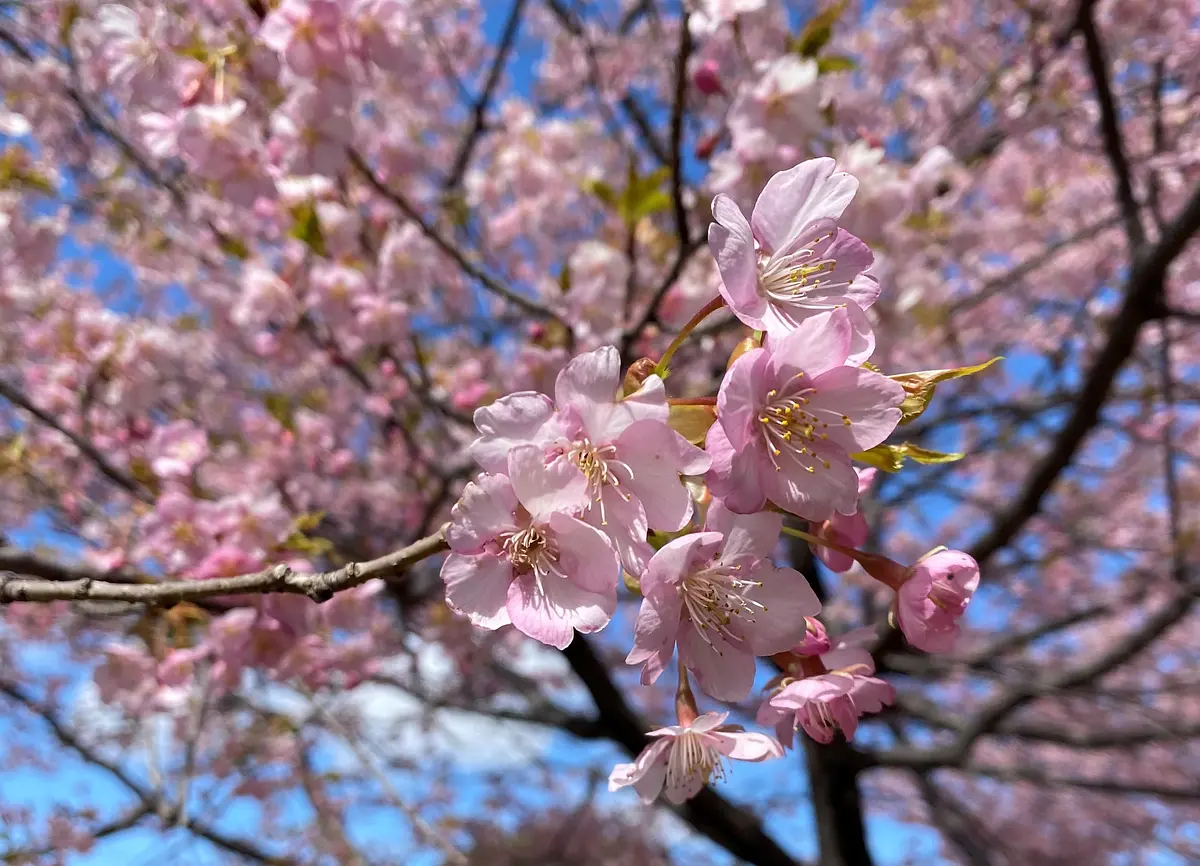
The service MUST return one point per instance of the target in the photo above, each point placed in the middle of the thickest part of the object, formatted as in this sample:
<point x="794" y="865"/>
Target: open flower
<point x="685" y="758"/>
<point x="519" y="556"/>
<point x="789" y="417"/>
<point x="630" y="457"/>
<point x="828" y="702"/>
<point x="791" y="261"/>
<point x="934" y="597"/>
<point x="718" y="596"/>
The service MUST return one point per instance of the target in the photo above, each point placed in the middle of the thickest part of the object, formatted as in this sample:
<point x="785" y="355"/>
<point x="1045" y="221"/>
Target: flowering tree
<point x="402" y="404"/>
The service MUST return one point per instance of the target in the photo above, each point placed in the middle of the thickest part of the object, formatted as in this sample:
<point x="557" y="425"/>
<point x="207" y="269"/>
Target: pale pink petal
<point x="546" y="488"/>
<point x="850" y="657"/>
<point x="676" y="559"/>
<point x="624" y="522"/>
<point x="734" y="478"/>
<point x="707" y="722"/>
<point x="816" y="494"/>
<point x="861" y="407"/>
<point x="732" y="246"/>
<point x="747" y="536"/>
<point x="654" y="635"/>
<point x="681" y="787"/>
<point x="484" y="511"/>
<point x="746" y="746"/>
<point x="864" y="291"/>
<point x="551" y="613"/>
<point x="794" y="198"/>
<point x="818" y="344"/>
<point x="516" y="419"/>
<point x="862" y="336"/>
<point x="722" y="670"/>
<point x="477" y="587"/>
<point x="590" y="384"/>
<point x="586" y="555"/>
<point x="788" y="599"/>
<point x="657" y="455"/>
<point x="742" y="396"/>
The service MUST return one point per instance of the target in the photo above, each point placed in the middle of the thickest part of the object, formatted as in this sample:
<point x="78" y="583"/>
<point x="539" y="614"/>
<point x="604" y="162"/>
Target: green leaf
<point x="835" y="63"/>
<point x="280" y="408"/>
<point x="642" y="196"/>
<point x="890" y="458"/>
<point x="692" y="422"/>
<point x="817" y="31"/>
<point x="602" y="191"/>
<point x="919" y="386"/>
<point x="235" y="247"/>
<point x="307" y="227"/>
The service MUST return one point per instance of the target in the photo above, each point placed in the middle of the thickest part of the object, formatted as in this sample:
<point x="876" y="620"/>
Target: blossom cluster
<point x="598" y="480"/>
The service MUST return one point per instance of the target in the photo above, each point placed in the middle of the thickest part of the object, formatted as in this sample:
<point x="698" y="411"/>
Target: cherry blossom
<point x="790" y="415"/>
<point x="791" y="261"/>
<point x="631" y="459"/>
<point x="933" y="597"/>
<point x="684" y="758"/>
<point x="520" y="558"/>
<point x="717" y="595"/>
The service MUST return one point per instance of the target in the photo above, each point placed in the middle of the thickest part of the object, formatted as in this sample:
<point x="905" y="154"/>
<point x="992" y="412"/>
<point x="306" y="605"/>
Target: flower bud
<point x="639" y="371"/>
<point x="746" y="345"/>
<point x="707" y="79"/>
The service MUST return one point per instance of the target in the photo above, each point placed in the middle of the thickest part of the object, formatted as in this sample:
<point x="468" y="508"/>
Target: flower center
<point x="690" y="757"/>
<point x="789" y="430"/>
<point x="787" y="279"/>
<point x="715" y="597"/>
<point x="532" y="550"/>
<point x="600" y="465"/>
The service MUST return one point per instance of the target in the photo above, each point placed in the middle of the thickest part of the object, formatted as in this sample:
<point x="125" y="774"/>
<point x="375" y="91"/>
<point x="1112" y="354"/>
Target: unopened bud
<point x="706" y="145"/>
<point x="746" y="345"/>
<point x="639" y="371"/>
<point x="816" y="641"/>
<point x="707" y="79"/>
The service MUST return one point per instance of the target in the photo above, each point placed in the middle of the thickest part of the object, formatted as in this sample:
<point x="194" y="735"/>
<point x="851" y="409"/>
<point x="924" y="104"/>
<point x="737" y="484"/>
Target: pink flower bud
<point x="931" y="601"/>
<point x="707" y="79"/>
<point x="816" y="641"/>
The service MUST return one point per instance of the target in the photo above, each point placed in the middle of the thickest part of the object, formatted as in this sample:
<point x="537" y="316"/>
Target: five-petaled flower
<point x="791" y="261"/>
<point x="790" y="416"/>
<point x="631" y="458"/>
<point x="829" y="702"/>
<point x="520" y="557"/>
<point x="683" y="758"/>
<point x="718" y="597"/>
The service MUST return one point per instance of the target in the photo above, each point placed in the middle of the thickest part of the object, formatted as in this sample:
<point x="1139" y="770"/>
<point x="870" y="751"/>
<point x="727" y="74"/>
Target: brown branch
<point x="1044" y="777"/>
<point x="279" y="578"/>
<point x="733" y="828"/>
<point x="122" y="479"/>
<point x="151" y="801"/>
<point x="1143" y="294"/>
<point x="446" y="246"/>
<point x="1110" y="128"/>
<point x="479" y="111"/>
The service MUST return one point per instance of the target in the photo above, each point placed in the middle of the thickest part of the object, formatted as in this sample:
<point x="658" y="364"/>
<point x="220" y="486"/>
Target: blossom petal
<point x="675" y="559"/>
<point x="485" y="510"/>
<point x="516" y="419"/>
<point x="815" y="492"/>
<point x="732" y="245"/>
<point x="552" y="612"/>
<point x="746" y="746"/>
<point x="818" y="344"/>
<point x="742" y="396"/>
<point x="654" y="635"/>
<point x="861" y="407"/>
<point x="747" y="536"/>
<point x="590" y="384"/>
<point x="477" y="587"/>
<point x="545" y="488"/>
<point x="624" y="522"/>
<point x="787" y="598"/>
<point x="792" y="199"/>
<point x="586" y="555"/>
<point x="722" y="670"/>
<point x="657" y="455"/>
<point x="734" y="477"/>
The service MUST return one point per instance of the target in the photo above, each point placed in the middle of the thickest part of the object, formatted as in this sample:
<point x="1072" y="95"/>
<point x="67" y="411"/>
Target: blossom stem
<point x="887" y="571"/>
<point x="692" y="401"/>
<point x="701" y="314"/>
<point x="685" y="701"/>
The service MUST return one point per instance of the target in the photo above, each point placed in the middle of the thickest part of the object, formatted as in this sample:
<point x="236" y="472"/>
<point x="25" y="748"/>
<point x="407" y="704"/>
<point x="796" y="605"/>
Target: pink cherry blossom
<point x="829" y="702"/>
<point x="717" y="595"/>
<point x="847" y="530"/>
<point x="934" y="597"/>
<point x="791" y="261"/>
<point x="788" y="418"/>
<point x="520" y="557"/>
<point x="176" y="449"/>
<point x="631" y="459"/>
<point x="307" y="34"/>
<point x="684" y="758"/>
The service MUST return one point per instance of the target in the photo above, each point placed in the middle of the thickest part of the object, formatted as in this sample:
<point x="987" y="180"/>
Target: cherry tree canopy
<point x="402" y="403"/>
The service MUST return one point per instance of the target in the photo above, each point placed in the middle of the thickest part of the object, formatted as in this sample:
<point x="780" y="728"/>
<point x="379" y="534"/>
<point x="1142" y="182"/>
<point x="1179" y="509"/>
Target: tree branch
<point x="277" y="579"/>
